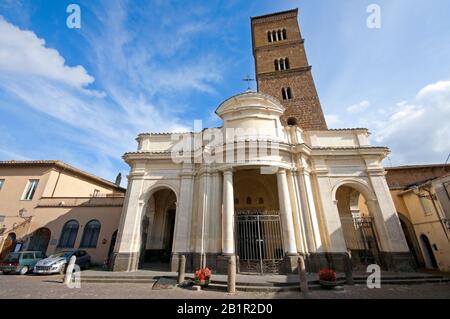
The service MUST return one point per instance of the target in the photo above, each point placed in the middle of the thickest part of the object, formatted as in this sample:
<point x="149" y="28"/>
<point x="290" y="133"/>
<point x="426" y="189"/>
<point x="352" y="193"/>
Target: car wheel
<point x="23" y="271"/>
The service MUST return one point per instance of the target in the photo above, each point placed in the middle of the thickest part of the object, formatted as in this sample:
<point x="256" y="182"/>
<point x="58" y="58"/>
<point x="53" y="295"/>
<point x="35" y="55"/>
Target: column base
<point x="125" y="262"/>
<point x="175" y="261"/>
<point x="222" y="264"/>
<point x="211" y="261"/>
<point x="290" y="264"/>
<point x="337" y="261"/>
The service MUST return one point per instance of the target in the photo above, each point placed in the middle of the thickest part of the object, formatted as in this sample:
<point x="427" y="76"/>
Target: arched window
<point x="90" y="234"/>
<point x="69" y="234"/>
<point x="277" y="65"/>
<point x="280" y="35"/>
<point x="286" y="93"/>
<point x="274" y="36"/>
<point x="269" y="36"/>
<point x="289" y="93"/>
<point x="284" y="34"/>
<point x="249" y="200"/>
<point x="260" y="201"/>
<point x="286" y="64"/>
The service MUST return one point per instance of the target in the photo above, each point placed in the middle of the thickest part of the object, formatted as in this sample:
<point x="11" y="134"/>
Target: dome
<point x="255" y="113"/>
<point x="250" y="101"/>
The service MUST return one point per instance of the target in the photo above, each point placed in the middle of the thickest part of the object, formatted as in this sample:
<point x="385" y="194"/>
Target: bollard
<point x="181" y="269"/>
<point x="348" y="270"/>
<point x="302" y="275"/>
<point x="69" y="270"/>
<point x="232" y="275"/>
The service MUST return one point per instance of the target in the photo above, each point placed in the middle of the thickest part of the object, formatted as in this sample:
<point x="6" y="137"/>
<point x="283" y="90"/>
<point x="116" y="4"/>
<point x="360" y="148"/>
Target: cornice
<point x="284" y="73"/>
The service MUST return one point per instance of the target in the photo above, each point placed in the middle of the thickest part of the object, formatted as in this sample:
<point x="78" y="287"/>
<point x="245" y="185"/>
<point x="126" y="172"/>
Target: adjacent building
<point x="421" y="194"/>
<point x="51" y="206"/>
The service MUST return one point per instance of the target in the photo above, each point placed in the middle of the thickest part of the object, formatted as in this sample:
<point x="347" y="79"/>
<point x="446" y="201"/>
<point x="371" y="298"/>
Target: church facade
<point x="271" y="184"/>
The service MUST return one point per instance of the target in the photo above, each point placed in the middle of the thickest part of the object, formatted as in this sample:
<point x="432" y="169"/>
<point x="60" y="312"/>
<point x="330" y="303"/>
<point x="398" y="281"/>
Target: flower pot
<point x="328" y="284"/>
<point x="202" y="283"/>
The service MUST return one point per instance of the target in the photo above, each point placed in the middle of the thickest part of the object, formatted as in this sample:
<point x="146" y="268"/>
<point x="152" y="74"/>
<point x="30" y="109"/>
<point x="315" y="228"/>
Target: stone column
<point x="286" y="214"/>
<point x="228" y="214"/>
<point x="228" y="249"/>
<point x="297" y="214"/>
<point x="183" y="221"/>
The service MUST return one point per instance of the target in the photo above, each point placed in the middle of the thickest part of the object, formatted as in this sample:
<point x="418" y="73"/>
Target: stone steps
<point x="119" y="280"/>
<point x="221" y="285"/>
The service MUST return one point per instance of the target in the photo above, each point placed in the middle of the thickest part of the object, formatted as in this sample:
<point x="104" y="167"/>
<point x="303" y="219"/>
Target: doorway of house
<point x="430" y="258"/>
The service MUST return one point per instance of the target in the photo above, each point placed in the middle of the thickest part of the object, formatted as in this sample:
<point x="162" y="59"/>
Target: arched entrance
<point x="411" y="240"/>
<point x="158" y="226"/>
<point x="8" y="246"/>
<point x="259" y="245"/>
<point x="358" y="227"/>
<point x="40" y="239"/>
<point x="430" y="259"/>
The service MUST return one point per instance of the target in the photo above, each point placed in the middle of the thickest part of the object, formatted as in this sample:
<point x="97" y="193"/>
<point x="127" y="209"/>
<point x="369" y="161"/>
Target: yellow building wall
<point x="71" y="189"/>
<point x="426" y="221"/>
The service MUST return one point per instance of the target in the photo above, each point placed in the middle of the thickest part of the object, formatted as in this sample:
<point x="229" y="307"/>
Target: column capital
<point x="228" y="171"/>
<point x="281" y="171"/>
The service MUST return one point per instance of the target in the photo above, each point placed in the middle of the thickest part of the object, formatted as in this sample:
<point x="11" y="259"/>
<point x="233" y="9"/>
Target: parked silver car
<point x="57" y="263"/>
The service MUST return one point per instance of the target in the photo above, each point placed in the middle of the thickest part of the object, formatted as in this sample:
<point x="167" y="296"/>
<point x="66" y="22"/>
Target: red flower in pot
<point x="327" y="278"/>
<point x="202" y="276"/>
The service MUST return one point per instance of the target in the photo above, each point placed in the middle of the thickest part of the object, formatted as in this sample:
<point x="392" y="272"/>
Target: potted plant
<point x="202" y="277"/>
<point x="327" y="278"/>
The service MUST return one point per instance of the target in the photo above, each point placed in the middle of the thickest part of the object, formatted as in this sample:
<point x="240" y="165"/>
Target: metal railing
<point x="259" y="241"/>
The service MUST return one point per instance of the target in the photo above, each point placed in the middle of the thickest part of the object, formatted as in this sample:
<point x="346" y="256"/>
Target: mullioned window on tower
<point x="281" y="64"/>
<point x="276" y="35"/>
<point x="286" y="93"/>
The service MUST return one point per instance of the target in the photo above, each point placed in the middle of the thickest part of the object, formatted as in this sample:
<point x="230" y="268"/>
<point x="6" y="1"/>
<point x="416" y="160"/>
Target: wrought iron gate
<point x="361" y="239"/>
<point x="259" y="242"/>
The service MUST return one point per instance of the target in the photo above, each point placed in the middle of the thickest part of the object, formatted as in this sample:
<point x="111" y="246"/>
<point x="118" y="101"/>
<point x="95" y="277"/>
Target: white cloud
<point x="96" y="132"/>
<point x="418" y="131"/>
<point x="22" y="52"/>
<point x="359" y="107"/>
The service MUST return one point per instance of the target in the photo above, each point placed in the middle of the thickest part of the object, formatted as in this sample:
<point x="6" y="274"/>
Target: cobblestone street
<point x="24" y="287"/>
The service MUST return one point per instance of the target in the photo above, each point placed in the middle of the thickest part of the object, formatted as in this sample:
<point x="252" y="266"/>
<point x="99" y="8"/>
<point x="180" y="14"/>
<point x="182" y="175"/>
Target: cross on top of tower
<point x="248" y="79"/>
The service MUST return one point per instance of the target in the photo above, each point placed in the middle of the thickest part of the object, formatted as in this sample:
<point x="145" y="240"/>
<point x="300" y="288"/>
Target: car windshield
<point x="65" y="254"/>
<point x="13" y="257"/>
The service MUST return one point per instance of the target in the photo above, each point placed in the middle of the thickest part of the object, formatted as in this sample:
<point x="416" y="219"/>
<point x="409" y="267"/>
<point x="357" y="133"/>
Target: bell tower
<point x="282" y="69"/>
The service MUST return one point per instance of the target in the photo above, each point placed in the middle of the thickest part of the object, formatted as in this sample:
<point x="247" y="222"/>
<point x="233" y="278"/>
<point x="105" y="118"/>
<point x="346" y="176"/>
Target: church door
<point x="259" y="242"/>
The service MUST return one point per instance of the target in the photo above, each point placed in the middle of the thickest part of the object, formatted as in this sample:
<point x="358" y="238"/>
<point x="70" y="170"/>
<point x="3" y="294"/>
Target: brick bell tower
<point x="282" y="69"/>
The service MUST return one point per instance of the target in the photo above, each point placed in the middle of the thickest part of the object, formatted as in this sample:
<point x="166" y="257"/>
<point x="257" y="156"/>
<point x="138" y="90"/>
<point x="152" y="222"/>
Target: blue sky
<point x="82" y="96"/>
